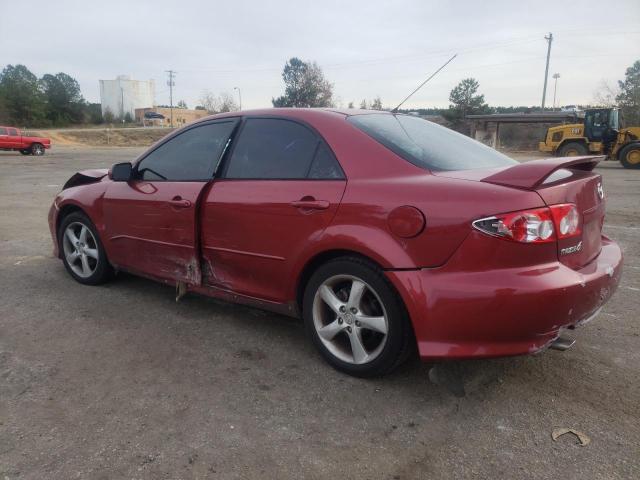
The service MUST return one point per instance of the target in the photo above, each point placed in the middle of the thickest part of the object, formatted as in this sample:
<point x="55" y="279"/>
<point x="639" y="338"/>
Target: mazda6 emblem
<point x="600" y="191"/>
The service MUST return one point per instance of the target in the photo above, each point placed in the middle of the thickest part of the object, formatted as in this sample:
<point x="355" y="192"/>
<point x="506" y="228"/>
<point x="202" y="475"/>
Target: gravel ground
<point x="120" y="381"/>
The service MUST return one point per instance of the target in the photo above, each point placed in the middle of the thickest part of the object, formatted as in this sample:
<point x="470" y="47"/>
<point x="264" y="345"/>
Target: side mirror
<point x="121" y="172"/>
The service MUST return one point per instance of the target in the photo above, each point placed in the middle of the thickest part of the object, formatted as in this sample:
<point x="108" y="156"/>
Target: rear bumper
<point x="502" y="312"/>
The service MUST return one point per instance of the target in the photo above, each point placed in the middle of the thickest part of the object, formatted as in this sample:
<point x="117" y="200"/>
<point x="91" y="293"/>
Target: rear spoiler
<point x="529" y="175"/>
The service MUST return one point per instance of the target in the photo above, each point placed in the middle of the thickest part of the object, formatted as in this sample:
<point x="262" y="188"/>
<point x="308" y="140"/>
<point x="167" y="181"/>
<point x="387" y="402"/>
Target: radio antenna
<point x="423" y="83"/>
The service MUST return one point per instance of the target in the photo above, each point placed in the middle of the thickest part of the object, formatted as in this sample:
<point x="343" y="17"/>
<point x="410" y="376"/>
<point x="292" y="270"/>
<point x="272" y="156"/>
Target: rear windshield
<point x="427" y="144"/>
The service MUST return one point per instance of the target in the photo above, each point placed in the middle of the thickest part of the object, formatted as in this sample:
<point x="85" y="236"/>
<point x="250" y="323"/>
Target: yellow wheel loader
<point x="601" y="133"/>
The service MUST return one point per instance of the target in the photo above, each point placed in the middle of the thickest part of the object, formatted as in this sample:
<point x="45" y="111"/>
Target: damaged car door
<point x="278" y="189"/>
<point x="151" y="220"/>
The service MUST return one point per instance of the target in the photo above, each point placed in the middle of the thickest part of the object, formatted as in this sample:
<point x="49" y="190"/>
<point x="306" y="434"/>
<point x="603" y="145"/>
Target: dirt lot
<point x="119" y="381"/>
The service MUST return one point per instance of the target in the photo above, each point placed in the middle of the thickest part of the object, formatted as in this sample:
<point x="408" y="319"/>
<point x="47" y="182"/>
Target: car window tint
<point x="192" y="155"/>
<point x="272" y="148"/>
<point x="3" y="131"/>
<point x="324" y="165"/>
<point x="13" y="132"/>
<point x="428" y="145"/>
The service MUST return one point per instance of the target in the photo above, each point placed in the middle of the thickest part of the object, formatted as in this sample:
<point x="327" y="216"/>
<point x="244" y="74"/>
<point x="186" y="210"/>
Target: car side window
<point x="3" y="131"/>
<point x="13" y="132"/>
<point x="192" y="155"/>
<point x="324" y="165"/>
<point x="271" y="148"/>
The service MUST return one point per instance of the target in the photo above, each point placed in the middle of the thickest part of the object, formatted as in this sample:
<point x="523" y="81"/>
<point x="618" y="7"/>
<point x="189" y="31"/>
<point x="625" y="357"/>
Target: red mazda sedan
<point x="385" y="232"/>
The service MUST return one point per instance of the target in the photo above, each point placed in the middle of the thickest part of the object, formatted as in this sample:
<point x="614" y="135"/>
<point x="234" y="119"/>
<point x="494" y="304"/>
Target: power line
<point x="381" y="60"/>
<point x="409" y="58"/>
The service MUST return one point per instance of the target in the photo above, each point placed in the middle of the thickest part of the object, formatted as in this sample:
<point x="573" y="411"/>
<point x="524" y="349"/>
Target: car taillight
<point x="567" y="220"/>
<point x="539" y="225"/>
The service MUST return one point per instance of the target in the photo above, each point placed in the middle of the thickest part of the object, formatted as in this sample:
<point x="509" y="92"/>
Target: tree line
<point x="306" y="86"/>
<point x="52" y="100"/>
<point x="56" y="100"/>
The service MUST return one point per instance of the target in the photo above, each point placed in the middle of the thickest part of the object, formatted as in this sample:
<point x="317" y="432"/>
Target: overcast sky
<point x="366" y="48"/>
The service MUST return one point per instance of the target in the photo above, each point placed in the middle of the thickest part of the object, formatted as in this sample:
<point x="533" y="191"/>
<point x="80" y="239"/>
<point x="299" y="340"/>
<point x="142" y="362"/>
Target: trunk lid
<point x="584" y="189"/>
<point x="558" y="180"/>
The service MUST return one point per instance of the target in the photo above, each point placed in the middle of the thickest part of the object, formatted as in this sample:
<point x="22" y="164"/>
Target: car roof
<point x="298" y="113"/>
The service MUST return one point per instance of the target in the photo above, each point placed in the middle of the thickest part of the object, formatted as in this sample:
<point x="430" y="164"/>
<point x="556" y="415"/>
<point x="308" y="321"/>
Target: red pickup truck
<point x="12" y="139"/>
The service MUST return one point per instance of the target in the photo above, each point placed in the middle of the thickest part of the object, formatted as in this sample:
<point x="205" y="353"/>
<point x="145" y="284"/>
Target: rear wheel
<point x="630" y="156"/>
<point x="573" y="149"/>
<point x="37" y="149"/>
<point x="83" y="255"/>
<point x="356" y="319"/>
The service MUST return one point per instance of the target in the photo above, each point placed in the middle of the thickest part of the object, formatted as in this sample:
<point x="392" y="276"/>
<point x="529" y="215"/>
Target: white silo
<point x="123" y="95"/>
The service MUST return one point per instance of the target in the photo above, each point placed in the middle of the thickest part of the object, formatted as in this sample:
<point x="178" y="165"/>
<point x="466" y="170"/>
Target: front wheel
<point x="37" y="149"/>
<point x="356" y="319"/>
<point x="83" y="255"/>
<point x="573" y="149"/>
<point x="630" y="156"/>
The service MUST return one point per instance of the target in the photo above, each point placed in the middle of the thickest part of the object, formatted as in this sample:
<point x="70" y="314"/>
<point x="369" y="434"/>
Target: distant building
<point x="123" y="95"/>
<point x="161" y="116"/>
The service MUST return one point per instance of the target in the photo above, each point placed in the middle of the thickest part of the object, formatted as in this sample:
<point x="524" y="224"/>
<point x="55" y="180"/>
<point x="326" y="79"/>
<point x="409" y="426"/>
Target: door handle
<point x="310" y="204"/>
<point x="178" y="202"/>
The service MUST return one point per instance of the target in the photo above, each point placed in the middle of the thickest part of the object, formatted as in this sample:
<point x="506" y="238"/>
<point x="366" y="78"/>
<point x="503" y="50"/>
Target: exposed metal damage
<point x="85" y="177"/>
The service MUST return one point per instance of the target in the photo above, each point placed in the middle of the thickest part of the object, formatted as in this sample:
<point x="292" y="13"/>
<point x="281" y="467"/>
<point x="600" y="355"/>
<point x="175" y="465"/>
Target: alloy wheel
<point x="80" y="249"/>
<point x="350" y="319"/>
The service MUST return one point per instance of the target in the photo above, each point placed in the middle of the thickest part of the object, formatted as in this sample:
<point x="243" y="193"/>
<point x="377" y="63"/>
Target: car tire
<point x="81" y="250"/>
<point x="37" y="149"/>
<point x="630" y="156"/>
<point x="25" y="151"/>
<point x="364" y="332"/>
<point x="573" y="149"/>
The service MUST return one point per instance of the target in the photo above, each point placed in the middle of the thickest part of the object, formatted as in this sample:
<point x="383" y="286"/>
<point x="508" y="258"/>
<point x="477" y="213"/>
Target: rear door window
<point x="3" y="131"/>
<point x="271" y="148"/>
<point x="13" y="132"/>
<point x="324" y="165"/>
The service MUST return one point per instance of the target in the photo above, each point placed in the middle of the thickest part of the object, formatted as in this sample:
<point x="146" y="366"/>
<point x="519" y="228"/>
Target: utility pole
<point x="122" y="104"/>
<point x="549" y="39"/>
<point x="171" y="84"/>
<point x="239" y="97"/>
<point x="556" y="76"/>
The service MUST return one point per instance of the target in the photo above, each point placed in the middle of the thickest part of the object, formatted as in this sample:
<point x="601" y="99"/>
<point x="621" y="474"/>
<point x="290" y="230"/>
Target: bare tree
<point x="605" y="94"/>
<point x="218" y="103"/>
<point x="226" y="103"/>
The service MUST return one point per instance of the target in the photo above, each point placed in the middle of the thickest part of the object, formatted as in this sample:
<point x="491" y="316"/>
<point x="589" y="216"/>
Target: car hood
<point x="86" y="176"/>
